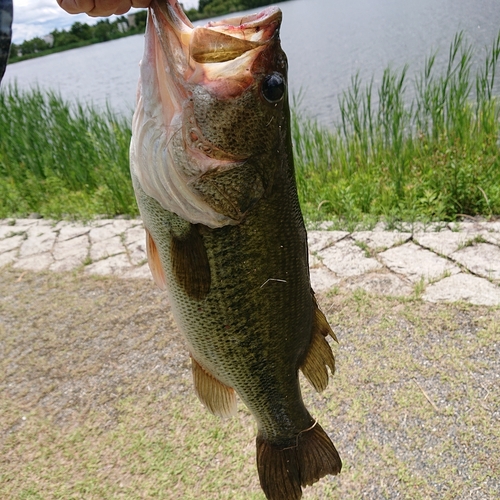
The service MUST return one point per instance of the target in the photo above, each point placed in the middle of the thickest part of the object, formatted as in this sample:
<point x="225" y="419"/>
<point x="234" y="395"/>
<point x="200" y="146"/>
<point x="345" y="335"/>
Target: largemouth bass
<point x="212" y="168"/>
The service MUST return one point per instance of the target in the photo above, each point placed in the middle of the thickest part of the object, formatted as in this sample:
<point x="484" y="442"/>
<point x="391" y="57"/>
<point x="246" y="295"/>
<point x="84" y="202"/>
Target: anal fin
<point x="283" y="470"/>
<point x="216" y="396"/>
<point x="319" y="355"/>
<point x="154" y="262"/>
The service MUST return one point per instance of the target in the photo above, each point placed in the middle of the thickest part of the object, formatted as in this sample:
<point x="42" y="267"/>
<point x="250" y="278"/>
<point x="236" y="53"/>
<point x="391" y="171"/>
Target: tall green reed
<point x="60" y="159"/>
<point x="434" y="156"/>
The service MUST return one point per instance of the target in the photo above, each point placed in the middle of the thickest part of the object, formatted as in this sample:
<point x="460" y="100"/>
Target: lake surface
<point x="327" y="42"/>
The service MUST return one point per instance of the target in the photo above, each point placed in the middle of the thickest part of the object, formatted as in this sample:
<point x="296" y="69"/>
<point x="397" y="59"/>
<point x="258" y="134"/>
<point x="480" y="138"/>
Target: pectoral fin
<point x="217" y="397"/>
<point x="154" y="262"/>
<point x="319" y="356"/>
<point x="190" y="263"/>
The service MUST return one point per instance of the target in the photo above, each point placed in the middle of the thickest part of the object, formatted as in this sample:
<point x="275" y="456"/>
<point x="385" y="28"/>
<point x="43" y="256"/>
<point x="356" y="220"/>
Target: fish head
<point x="212" y="108"/>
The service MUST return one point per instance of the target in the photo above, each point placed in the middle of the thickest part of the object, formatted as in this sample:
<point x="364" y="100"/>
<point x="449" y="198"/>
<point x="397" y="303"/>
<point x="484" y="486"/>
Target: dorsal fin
<point x="154" y="262"/>
<point x="216" y="396"/>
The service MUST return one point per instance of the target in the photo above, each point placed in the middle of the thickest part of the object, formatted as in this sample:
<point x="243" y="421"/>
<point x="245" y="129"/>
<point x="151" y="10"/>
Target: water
<point x="327" y="42"/>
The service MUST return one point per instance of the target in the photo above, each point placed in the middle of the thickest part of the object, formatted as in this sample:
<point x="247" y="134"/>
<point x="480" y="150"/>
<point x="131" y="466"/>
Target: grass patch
<point x="434" y="158"/>
<point x="96" y="398"/>
<point x="61" y="160"/>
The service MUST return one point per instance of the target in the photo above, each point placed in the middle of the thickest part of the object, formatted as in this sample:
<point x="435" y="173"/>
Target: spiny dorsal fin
<point x="320" y="321"/>
<point x="190" y="263"/>
<point x="284" y="469"/>
<point x="216" y="396"/>
<point x="154" y="262"/>
<point x="319" y="355"/>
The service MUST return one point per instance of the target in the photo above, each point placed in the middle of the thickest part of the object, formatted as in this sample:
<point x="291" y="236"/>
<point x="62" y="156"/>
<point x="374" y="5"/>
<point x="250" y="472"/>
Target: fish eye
<point x="273" y="87"/>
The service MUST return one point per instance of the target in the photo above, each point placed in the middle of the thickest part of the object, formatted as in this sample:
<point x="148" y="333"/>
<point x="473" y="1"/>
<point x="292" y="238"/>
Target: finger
<point x="107" y="7"/>
<point x="101" y="8"/>
<point x="76" y="6"/>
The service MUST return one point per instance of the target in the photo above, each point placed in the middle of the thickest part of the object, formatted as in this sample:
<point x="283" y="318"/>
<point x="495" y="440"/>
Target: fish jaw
<point x="182" y="66"/>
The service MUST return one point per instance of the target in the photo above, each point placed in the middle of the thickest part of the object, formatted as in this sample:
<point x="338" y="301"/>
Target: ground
<point x="96" y="400"/>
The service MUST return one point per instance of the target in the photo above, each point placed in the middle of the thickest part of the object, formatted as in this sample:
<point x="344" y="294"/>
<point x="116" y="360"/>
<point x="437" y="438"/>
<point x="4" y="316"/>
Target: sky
<point x="39" y="17"/>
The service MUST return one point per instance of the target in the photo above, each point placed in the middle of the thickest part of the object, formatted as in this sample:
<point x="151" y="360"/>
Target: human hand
<point x="98" y="8"/>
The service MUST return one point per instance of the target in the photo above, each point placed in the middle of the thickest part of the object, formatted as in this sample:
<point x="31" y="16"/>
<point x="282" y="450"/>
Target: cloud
<point x="39" y="17"/>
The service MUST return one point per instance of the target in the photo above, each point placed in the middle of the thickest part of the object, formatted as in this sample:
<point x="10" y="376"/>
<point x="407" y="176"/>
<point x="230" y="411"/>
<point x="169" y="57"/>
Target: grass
<point x="96" y="398"/>
<point x="62" y="160"/>
<point x="433" y="157"/>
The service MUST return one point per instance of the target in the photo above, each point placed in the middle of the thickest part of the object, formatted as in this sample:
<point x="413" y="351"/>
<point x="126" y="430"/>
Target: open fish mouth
<point x="220" y="50"/>
<point x="187" y="73"/>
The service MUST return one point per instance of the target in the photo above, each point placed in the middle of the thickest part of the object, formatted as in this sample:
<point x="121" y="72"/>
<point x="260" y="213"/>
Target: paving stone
<point x="346" y="259"/>
<point x="8" y="257"/>
<point x="470" y="227"/>
<point x="380" y="284"/>
<point x="122" y="225"/>
<point x="38" y="262"/>
<point x="7" y="231"/>
<point x="68" y="231"/>
<point x="114" y="265"/>
<point x="108" y="247"/>
<point x="319" y="240"/>
<point x="322" y="279"/>
<point x="77" y="248"/>
<point x="444" y="242"/>
<point x="98" y="234"/>
<point x="381" y="240"/>
<point x="415" y="263"/>
<point x="12" y="243"/>
<point x="39" y="240"/>
<point x="472" y="289"/>
<point x="482" y="259"/>
<point x="491" y="236"/>
<point x="137" y="252"/>
<point x="135" y="234"/>
<point x="419" y="227"/>
<point x="25" y="223"/>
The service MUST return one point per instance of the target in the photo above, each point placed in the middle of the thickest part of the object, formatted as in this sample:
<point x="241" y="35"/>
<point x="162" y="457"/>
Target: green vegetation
<point x="436" y="158"/>
<point x="61" y="160"/>
<point x="97" y="401"/>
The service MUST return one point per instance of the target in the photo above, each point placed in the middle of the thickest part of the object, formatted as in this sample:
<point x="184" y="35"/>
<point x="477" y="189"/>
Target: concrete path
<point x="447" y="263"/>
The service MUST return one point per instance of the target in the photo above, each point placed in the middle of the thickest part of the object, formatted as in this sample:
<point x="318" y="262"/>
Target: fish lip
<point x="254" y="31"/>
<point x="259" y="19"/>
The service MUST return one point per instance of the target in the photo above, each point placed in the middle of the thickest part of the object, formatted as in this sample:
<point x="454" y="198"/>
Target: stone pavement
<point x="449" y="262"/>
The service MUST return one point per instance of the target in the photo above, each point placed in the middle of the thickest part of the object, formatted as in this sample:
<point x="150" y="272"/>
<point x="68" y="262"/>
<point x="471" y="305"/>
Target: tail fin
<point x="284" y="470"/>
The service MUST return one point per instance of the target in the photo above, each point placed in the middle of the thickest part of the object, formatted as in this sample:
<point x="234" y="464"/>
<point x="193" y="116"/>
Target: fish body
<point x="212" y="168"/>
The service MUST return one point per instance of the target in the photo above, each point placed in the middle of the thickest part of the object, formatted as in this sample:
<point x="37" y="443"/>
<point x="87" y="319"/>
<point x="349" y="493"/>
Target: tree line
<point x="212" y="8"/>
<point x="81" y="34"/>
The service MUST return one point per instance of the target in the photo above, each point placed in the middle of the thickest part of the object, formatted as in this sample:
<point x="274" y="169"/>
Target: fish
<point x="212" y="169"/>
